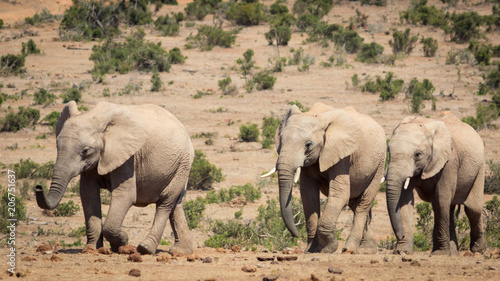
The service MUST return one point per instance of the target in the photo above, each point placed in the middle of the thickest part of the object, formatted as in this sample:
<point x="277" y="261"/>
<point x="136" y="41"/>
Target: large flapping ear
<point x="70" y="110"/>
<point x="123" y="135"/>
<point x="277" y="138"/>
<point x="441" y="148"/>
<point x="342" y="137"/>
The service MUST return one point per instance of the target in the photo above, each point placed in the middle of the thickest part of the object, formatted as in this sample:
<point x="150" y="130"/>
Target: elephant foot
<point x="182" y="248"/>
<point x="441" y="253"/>
<point x="328" y="244"/>
<point x="144" y="249"/>
<point x="403" y="248"/>
<point x="312" y="246"/>
<point x="346" y="251"/>
<point x="478" y="246"/>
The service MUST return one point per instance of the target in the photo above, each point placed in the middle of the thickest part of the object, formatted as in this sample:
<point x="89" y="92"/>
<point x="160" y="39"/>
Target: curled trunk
<point x="58" y="186"/>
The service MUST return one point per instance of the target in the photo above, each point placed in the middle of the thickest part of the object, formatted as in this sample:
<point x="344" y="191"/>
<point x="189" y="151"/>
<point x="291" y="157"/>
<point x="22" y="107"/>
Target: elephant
<point x="141" y="153"/>
<point x="340" y="153"/>
<point x="443" y="160"/>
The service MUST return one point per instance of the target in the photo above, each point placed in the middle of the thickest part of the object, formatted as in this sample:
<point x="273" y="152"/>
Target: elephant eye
<point x="418" y="155"/>
<point x="309" y="144"/>
<point x="85" y="151"/>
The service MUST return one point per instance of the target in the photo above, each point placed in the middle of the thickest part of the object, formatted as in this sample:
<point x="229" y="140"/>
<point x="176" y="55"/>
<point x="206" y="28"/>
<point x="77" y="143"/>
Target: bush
<point x="25" y="117"/>
<point x="403" y="42"/>
<point x="31" y="170"/>
<point x="430" y="46"/>
<point x="29" y="48"/>
<point x="194" y="210"/>
<point x="492" y="230"/>
<point x="249" y="133"/>
<point x="280" y="29"/>
<point x="276" y="8"/>
<point x="209" y="36"/>
<point x="422" y="239"/>
<point x="492" y="180"/>
<point x="299" y="105"/>
<point x="246" y="13"/>
<point x="72" y="94"/>
<point x="264" y="80"/>
<point x="482" y="52"/>
<point x="318" y="8"/>
<point x="203" y="174"/>
<point x="169" y="26"/>
<point x="388" y="87"/>
<point x="464" y="27"/>
<point x="248" y="191"/>
<point x="156" y="83"/>
<point x="44" y="97"/>
<point x="6" y="211"/>
<point x="67" y="209"/>
<point x="198" y="9"/>
<point x="370" y="52"/>
<point x="246" y="64"/>
<point x="12" y="64"/>
<point x="307" y="21"/>
<point x="419" y="92"/>
<point x="51" y="120"/>
<point x="420" y="13"/>
<point x="175" y="56"/>
<point x="269" y="128"/>
<point x="349" y="40"/>
<point x="484" y="116"/>
<point x="1" y="23"/>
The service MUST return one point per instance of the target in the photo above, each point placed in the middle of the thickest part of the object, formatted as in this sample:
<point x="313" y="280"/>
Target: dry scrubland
<point x="65" y="64"/>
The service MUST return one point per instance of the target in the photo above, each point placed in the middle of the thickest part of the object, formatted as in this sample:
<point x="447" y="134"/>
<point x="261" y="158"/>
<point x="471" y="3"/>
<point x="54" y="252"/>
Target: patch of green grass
<point x="203" y="174"/>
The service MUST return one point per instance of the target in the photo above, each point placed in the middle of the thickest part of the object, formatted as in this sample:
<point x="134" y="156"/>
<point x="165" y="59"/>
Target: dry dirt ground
<point x="60" y="66"/>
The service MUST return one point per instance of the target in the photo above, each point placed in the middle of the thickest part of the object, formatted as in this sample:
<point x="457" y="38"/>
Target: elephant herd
<point x="142" y="154"/>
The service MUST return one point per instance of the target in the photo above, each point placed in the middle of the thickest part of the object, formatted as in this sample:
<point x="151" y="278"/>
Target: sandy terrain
<point x="59" y="67"/>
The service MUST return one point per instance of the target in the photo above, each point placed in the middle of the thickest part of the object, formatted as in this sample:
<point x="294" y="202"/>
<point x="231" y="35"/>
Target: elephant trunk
<point x="60" y="181"/>
<point x="285" y="179"/>
<point x="393" y="195"/>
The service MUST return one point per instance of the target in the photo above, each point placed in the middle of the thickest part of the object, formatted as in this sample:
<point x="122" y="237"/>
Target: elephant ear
<point x="70" y="110"/>
<point x="277" y="138"/>
<point x="123" y="136"/>
<point x="441" y="148"/>
<point x="342" y="137"/>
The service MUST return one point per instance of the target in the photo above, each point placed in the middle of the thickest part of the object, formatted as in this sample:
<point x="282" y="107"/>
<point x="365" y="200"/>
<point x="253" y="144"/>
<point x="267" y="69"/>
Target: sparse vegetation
<point x="51" y="120"/>
<point x="72" y="94"/>
<point x="12" y="64"/>
<point x="370" y="52"/>
<point x="27" y="169"/>
<point x="430" y="46"/>
<point x="30" y="48"/>
<point x="194" y="210"/>
<point x="423" y="236"/>
<point x="492" y="179"/>
<point x="25" y="117"/>
<point x="209" y="37"/>
<point x="417" y="92"/>
<point x="248" y="191"/>
<point x="7" y="212"/>
<point x="249" y="133"/>
<point x="269" y="127"/>
<point x="485" y="114"/>
<point x="388" y="87"/>
<point x="403" y="42"/>
<point x="44" y="97"/>
<point x="203" y="174"/>
<point x="66" y="209"/>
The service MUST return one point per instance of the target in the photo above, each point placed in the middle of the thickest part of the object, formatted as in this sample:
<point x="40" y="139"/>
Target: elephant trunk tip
<point x="41" y="199"/>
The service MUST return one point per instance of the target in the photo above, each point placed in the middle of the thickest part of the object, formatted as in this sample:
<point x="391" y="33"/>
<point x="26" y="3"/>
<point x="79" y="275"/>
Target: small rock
<point x="221" y="250"/>
<point x="164" y="258"/>
<point x="207" y="260"/>
<point x="316" y="259"/>
<point x="29" y="258"/>
<point x="415" y="263"/>
<point x="271" y="278"/>
<point x="44" y="248"/>
<point x="192" y="258"/>
<point x="492" y="268"/>
<point x="468" y="254"/>
<point x="89" y="250"/>
<point x="262" y="265"/>
<point x="176" y="254"/>
<point x="373" y="261"/>
<point x="104" y="251"/>
<point x="404" y="259"/>
<point x="249" y="268"/>
<point x="287" y="258"/>
<point x="236" y="249"/>
<point x="127" y="250"/>
<point x="335" y="270"/>
<point x="22" y="273"/>
<point x="265" y="258"/>
<point x="136" y="257"/>
<point x="275" y="262"/>
<point x="100" y="260"/>
<point x="55" y="258"/>
<point x="134" y="272"/>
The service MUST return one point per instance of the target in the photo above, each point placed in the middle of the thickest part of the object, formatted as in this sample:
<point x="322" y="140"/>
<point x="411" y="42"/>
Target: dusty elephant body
<point x="443" y="160"/>
<point x="141" y="153"/>
<point x="340" y="153"/>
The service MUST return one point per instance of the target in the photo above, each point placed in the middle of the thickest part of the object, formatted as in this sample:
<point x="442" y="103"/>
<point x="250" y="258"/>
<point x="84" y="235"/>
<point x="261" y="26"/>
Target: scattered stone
<point x="405" y="259"/>
<point x="164" y="258"/>
<point x="176" y="254"/>
<point x="275" y="262"/>
<point x="135" y="272"/>
<point x="29" y="258"/>
<point x="265" y="258"/>
<point x="249" y="268"/>
<point x="415" y="263"/>
<point x="347" y="252"/>
<point x="316" y="259"/>
<point x="468" y="254"/>
<point x="374" y="261"/>
<point x="386" y="259"/>
<point x="104" y="251"/>
<point x="492" y="268"/>
<point x="335" y="270"/>
<point x="288" y="251"/>
<point x="192" y="258"/>
<point x="127" y="250"/>
<point x="89" y="250"/>
<point x="100" y="260"/>
<point x="135" y="257"/>
<point x="21" y="273"/>
<point x="287" y="258"/>
<point x="44" y="248"/>
<point x="55" y="258"/>
<point x="271" y="278"/>
<point x="221" y="250"/>
<point x="236" y="249"/>
<point x="207" y="260"/>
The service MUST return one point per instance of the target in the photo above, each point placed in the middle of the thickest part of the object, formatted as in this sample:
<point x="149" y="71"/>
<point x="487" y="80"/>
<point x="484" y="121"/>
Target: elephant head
<point x="322" y="136"/>
<point x="103" y="138"/>
<point x="419" y="147"/>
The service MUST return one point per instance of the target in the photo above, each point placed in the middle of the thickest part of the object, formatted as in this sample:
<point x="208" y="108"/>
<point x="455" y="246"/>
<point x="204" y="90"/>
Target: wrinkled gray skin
<point x="444" y="162"/>
<point x="141" y="153"/>
<point x="341" y="154"/>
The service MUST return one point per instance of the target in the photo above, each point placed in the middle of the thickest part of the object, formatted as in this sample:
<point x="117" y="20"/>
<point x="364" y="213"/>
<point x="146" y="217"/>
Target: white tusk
<point x="296" y="177"/>
<point x="273" y="170"/>
<point x="382" y="180"/>
<point x="407" y="182"/>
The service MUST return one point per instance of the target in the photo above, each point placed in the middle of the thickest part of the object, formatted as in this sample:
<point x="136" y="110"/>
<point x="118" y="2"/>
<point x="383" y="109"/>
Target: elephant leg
<point x="368" y="243"/>
<point x="309" y="192"/>
<point x="473" y="210"/>
<point x="453" y="233"/>
<point x="91" y="205"/>
<point x="164" y="208"/>
<point x="407" y="202"/>
<point x="441" y="205"/>
<point x="183" y="243"/>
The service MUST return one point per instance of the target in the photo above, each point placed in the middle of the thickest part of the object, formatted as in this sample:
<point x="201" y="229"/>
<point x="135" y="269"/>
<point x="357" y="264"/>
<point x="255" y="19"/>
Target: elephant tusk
<point x="382" y="180"/>
<point x="273" y="170"/>
<point x="407" y="182"/>
<point x="297" y="175"/>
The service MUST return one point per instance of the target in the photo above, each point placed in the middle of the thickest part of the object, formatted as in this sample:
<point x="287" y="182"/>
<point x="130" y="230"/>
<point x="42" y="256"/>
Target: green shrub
<point x="67" y="209"/>
<point x="27" y="169"/>
<point x="51" y="120"/>
<point x="25" y="117"/>
<point x="424" y="225"/>
<point x="280" y="29"/>
<point x="370" y="52"/>
<point x="249" y="133"/>
<point x="307" y="21"/>
<point x="72" y="94"/>
<point x="491" y="81"/>
<point x="492" y="230"/>
<point x="403" y="42"/>
<point x="484" y="116"/>
<point x="247" y="63"/>
<point x="203" y="174"/>
<point x="194" y="210"/>
<point x="464" y="26"/>
<point x="12" y="64"/>
<point x="430" y="46"/>
<point x="169" y="26"/>
<point x="418" y="92"/>
<point x="1" y="23"/>
<point x="269" y="127"/>
<point x="420" y="13"/>
<point x="482" y="52"/>
<point x="276" y="8"/>
<point x="209" y="36"/>
<point x="246" y="13"/>
<point x="349" y="40"/>
<point x="198" y="9"/>
<point x="175" y="56"/>
<point x="263" y="80"/>
<point x="78" y="232"/>
<point x="44" y="97"/>
<point x="6" y="211"/>
<point x="248" y="191"/>
<point x="388" y="87"/>
<point x="156" y="83"/>
<point x="136" y="12"/>
<point x="299" y="105"/>
<point x="29" y="48"/>
<point x="492" y="179"/>
<point x="355" y="80"/>
<point x="316" y="7"/>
